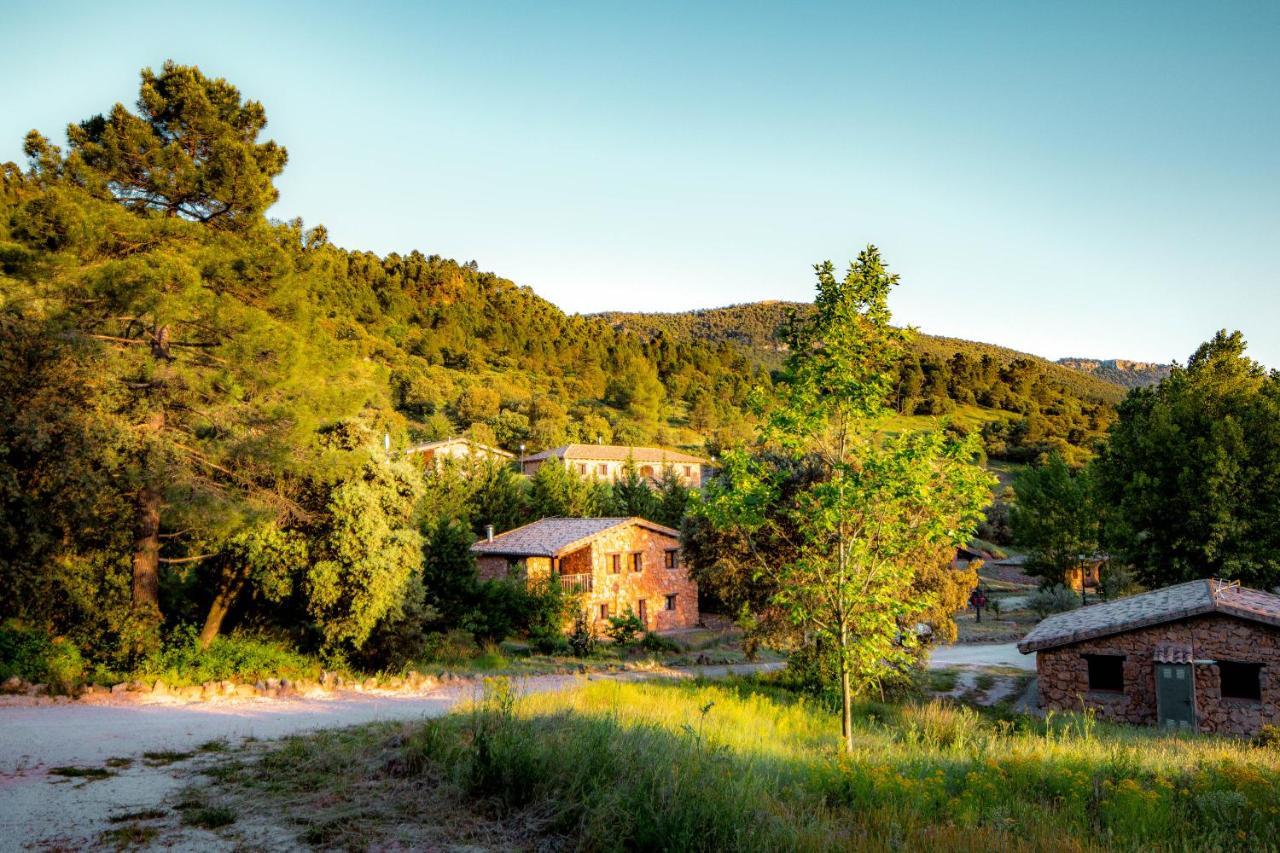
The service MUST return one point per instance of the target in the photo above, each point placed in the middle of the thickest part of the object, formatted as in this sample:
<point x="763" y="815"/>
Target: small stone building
<point x="608" y="461"/>
<point x="614" y="563"/>
<point x="1202" y="655"/>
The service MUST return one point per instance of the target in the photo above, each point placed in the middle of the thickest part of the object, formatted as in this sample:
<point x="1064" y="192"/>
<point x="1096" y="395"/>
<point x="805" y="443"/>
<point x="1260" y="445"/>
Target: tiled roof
<point x="436" y="445"/>
<point x="1193" y="598"/>
<point x="616" y="453"/>
<point x="552" y="537"/>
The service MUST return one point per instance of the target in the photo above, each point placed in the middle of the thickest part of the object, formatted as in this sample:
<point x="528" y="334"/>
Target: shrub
<point x="1056" y="599"/>
<point x="34" y="656"/>
<point x="624" y="629"/>
<point x="582" y="641"/>
<point x="181" y="660"/>
<point x="652" y="642"/>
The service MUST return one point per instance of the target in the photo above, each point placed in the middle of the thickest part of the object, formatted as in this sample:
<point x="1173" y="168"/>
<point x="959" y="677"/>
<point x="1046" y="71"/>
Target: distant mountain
<point x="1119" y="371"/>
<point x="755" y="325"/>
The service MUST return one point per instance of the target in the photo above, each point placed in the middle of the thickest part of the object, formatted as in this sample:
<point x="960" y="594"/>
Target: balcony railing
<point x="576" y="583"/>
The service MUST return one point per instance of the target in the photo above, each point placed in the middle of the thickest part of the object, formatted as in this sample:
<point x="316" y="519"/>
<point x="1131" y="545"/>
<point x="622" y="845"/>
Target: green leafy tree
<point x="878" y="506"/>
<point x="191" y="150"/>
<point x="633" y="494"/>
<point x="1192" y="471"/>
<point x="1056" y="518"/>
<point x="368" y="555"/>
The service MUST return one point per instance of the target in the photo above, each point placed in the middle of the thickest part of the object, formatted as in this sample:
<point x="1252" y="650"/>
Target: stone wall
<point x="652" y="584"/>
<point x="1064" y="673"/>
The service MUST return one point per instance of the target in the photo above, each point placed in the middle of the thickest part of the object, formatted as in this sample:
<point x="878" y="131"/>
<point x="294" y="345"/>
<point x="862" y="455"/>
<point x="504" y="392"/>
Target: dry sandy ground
<point x="982" y="654"/>
<point x="47" y="811"/>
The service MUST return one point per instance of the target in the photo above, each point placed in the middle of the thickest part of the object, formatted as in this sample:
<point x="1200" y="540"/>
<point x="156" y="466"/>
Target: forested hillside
<point x="1026" y="406"/>
<point x="193" y="397"/>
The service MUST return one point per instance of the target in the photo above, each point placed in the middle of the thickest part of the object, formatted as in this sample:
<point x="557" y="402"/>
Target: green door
<point x="1174" y="695"/>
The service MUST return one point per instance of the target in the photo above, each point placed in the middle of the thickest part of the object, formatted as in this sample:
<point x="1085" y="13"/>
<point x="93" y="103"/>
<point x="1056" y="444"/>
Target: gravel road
<point x="42" y="809"/>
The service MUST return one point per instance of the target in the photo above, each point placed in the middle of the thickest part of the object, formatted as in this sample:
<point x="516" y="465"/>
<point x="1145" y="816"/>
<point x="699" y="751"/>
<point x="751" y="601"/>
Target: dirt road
<point x="46" y="809"/>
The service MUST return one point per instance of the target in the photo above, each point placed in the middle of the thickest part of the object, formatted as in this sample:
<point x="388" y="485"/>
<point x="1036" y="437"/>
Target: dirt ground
<point x="72" y="775"/>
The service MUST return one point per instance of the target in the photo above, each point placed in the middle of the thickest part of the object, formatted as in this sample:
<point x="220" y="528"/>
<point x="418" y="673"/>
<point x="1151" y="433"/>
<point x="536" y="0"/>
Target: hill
<point x="1119" y="371"/>
<point x="755" y="325"/>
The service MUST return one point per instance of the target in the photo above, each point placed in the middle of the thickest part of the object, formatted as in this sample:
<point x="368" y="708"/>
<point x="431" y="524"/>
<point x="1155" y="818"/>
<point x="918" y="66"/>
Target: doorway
<point x="1175" y="695"/>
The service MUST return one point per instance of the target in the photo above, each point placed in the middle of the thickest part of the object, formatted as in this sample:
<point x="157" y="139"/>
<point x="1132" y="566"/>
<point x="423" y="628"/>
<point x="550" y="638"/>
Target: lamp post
<point x="522" y="457"/>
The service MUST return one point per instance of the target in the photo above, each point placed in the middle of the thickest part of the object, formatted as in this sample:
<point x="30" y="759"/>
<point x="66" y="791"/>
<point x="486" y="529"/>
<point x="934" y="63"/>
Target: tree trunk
<point x="228" y="592"/>
<point x="146" y="551"/>
<point x="846" y="696"/>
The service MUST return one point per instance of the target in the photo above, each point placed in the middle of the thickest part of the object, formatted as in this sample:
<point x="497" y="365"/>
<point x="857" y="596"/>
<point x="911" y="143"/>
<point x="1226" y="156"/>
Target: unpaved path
<point x="981" y="654"/>
<point x="46" y="810"/>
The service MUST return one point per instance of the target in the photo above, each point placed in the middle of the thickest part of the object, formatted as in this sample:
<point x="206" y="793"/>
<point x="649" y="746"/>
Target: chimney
<point x="488" y="532"/>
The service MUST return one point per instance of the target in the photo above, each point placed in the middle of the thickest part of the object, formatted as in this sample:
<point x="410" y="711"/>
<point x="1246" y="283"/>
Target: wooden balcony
<point x="573" y="584"/>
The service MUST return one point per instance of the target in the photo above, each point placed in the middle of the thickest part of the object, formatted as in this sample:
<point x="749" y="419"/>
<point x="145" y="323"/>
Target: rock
<point x="286" y="685"/>
<point x="227" y="688"/>
<point x="13" y="684"/>
<point x="119" y="689"/>
<point x="370" y="684"/>
<point x="209" y="689"/>
<point x="160" y="689"/>
<point x="38" y="690"/>
<point x="245" y="691"/>
<point x="273" y="683"/>
<point x="395" y="683"/>
<point x="191" y="692"/>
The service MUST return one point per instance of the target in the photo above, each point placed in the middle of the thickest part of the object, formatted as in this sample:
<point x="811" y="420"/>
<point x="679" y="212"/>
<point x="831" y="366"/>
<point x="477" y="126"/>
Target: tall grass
<point x="738" y="767"/>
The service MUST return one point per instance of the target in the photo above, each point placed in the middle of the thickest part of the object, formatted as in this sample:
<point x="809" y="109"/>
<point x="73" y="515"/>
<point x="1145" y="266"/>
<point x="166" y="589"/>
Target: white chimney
<point x="488" y="532"/>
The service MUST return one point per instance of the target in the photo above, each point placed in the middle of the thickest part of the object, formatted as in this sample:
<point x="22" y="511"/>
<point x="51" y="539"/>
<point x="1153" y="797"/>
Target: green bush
<point x="1057" y="599"/>
<point x="181" y="661"/>
<point x="652" y="642"/>
<point x="624" y="629"/>
<point x="582" y="641"/>
<point x="36" y="657"/>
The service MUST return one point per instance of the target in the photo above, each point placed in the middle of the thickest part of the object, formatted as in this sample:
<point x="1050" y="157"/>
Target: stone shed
<point x="1202" y="655"/>
<point x="613" y="563"/>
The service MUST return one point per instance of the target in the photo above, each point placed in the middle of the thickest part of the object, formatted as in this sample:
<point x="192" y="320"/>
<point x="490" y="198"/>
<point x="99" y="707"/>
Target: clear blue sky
<point x="1066" y="178"/>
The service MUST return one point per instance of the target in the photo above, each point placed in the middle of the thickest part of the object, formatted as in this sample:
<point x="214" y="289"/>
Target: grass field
<point x="746" y="766"/>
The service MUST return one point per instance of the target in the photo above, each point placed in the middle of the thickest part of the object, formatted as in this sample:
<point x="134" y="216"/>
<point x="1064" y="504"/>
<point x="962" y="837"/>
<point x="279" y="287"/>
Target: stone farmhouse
<point x="458" y="449"/>
<point x="614" y="563"/>
<point x="608" y="461"/>
<point x="1202" y="656"/>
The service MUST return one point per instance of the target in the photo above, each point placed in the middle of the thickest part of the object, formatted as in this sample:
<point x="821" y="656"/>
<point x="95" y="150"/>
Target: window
<point x="582" y="467"/>
<point x="688" y="470"/>
<point x="1106" y="673"/>
<point x="604" y="611"/>
<point x="1240" y="680"/>
<point x="673" y="558"/>
<point x="642" y="610"/>
<point x="615" y="563"/>
<point x="602" y="470"/>
<point x="637" y="561"/>
<point x="671" y="602"/>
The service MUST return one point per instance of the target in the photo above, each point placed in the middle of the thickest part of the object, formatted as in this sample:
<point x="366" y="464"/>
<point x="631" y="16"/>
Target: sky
<point x="1069" y="179"/>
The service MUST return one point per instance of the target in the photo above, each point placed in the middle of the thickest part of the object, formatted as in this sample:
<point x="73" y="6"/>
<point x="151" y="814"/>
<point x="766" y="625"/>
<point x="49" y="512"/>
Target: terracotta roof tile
<point x="551" y="537"/>
<point x="1193" y="598"/>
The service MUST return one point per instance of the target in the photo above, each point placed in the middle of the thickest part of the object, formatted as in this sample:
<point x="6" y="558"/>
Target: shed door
<point x="1175" y="696"/>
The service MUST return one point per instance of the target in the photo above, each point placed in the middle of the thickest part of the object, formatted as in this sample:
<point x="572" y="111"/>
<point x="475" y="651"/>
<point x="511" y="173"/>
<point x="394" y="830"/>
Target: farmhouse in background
<point x="1203" y="655"/>
<point x="608" y="461"/>
<point x="457" y="449"/>
<point x="614" y="563"/>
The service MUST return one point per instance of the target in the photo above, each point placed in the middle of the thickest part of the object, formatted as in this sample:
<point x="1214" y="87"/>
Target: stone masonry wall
<point x="652" y="584"/>
<point x="1064" y="673"/>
